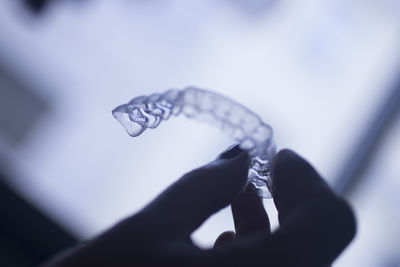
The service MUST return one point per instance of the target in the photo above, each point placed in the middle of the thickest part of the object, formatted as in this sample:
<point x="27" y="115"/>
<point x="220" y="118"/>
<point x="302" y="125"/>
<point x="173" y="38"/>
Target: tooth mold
<point x="243" y="125"/>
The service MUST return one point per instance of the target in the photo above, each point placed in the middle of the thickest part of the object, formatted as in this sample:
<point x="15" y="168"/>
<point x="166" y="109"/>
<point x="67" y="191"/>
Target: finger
<point x="186" y="204"/>
<point x="294" y="182"/>
<point x="249" y="214"/>
<point x="311" y="215"/>
<point x="224" y="239"/>
<point x="316" y="225"/>
<point x="315" y="233"/>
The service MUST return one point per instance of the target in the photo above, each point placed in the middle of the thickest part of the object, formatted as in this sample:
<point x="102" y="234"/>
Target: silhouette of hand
<point x="315" y="224"/>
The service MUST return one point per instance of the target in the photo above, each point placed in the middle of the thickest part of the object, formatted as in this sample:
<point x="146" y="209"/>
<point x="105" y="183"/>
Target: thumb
<point x="187" y="203"/>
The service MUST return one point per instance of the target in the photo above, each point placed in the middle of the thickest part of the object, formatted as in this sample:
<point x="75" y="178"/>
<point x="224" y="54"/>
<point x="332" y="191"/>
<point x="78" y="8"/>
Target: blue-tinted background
<point x="317" y="71"/>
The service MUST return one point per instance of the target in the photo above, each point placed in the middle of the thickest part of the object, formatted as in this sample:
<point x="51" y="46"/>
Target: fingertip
<point x="295" y="181"/>
<point x="345" y="220"/>
<point x="224" y="239"/>
<point x="291" y="171"/>
<point x="282" y="168"/>
<point x="286" y="162"/>
<point x="231" y="169"/>
<point x="286" y="152"/>
<point x="235" y="156"/>
<point x="230" y="152"/>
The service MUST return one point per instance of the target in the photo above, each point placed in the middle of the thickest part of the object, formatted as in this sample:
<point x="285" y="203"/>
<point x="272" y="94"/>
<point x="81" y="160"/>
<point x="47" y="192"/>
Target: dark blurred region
<point x="39" y="6"/>
<point x="27" y="236"/>
<point x="36" y="6"/>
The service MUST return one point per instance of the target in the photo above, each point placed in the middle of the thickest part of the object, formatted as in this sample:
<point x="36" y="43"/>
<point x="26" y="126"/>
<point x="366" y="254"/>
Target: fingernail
<point x="231" y="152"/>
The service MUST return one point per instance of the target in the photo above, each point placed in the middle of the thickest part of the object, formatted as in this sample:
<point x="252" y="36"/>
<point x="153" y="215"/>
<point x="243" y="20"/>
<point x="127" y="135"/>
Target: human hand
<point x="315" y="225"/>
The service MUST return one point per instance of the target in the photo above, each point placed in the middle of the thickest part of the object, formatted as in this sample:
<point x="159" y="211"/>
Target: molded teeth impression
<point x="239" y="122"/>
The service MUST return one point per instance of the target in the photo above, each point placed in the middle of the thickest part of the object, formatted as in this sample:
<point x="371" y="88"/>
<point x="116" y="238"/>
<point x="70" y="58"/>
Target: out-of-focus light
<point x="36" y="5"/>
<point x="314" y="72"/>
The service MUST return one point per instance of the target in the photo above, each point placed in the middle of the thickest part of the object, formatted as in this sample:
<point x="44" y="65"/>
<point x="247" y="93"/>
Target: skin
<point x="315" y="224"/>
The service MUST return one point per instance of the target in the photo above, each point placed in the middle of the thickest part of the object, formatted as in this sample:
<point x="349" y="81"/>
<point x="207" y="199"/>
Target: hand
<point x="315" y="224"/>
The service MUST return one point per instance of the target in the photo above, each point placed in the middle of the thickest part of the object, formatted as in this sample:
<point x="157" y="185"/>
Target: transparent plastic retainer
<point x="243" y="125"/>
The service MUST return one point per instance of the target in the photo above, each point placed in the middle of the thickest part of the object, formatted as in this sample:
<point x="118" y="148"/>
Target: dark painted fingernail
<point x="231" y="152"/>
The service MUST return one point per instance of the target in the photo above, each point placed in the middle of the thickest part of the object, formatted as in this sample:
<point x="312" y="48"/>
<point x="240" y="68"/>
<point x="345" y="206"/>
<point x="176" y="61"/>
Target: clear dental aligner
<point x="239" y="122"/>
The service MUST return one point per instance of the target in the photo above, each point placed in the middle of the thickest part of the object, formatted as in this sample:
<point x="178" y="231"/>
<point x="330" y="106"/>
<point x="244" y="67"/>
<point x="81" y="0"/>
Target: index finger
<point x="187" y="203"/>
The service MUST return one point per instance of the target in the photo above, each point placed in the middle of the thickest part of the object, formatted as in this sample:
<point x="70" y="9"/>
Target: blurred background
<point x="325" y="74"/>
